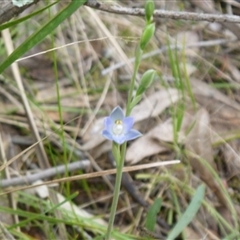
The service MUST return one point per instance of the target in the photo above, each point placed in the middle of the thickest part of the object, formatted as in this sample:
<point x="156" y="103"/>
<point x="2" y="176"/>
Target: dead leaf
<point x="231" y="153"/>
<point x="151" y="143"/>
<point x="189" y="233"/>
<point x="227" y="216"/>
<point x="102" y="148"/>
<point x="164" y="131"/>
<point x="144" y="147"/>
<point x="183" y="38"/>
<point x="199" y="143"/>
<point x="155" y="104"/>
<point x="233" y="70"/>
<point x="203" y="90"/>
<point x="93" y="137"/>
<point x="199" y="139"/>
<point x="49" y="95"/>
<point x="55" y="116"/>
<point x="207" y="5"/>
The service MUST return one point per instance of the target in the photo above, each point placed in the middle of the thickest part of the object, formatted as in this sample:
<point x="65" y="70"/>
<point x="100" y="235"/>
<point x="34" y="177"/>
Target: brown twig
<point x="9" y="11"/>
<point x="96" y="174"/>
<point x="163" y="49"/>
<point x="189" y="16"/>
<point x="50" y="172"/>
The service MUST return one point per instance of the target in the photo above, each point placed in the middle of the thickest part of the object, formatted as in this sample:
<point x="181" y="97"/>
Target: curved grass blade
<point x="189" y="214"/>
<point x="38" y="36"/>
<point x="17" y="21"/>
<point x="152" y="213"/>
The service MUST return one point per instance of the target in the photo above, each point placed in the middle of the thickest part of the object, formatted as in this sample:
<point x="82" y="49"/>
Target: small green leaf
<point x="149" y="8"/>
<point x="152" y="213"/>
<point x="146" y="81"/>
<point x="135" y="101"/>
<point x="148" y="33"/>
<point x="116" y="152"/>
<point x="189" y="214"/>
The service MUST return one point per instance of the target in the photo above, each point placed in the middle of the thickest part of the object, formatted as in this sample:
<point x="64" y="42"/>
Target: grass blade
<point x="189" y="214"/>
<point x="152" y="214"/>
<point x="29" y="16"/>
<point x="38" y="36"/>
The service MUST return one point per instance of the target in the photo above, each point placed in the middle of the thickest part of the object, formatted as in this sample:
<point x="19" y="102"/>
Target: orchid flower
<point x="118" y="128"/>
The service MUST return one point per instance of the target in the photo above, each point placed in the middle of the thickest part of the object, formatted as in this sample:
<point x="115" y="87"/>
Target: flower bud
<point x="146" y="81"/>
<point x="148" y="32"/>
<point x="149" y="8"/>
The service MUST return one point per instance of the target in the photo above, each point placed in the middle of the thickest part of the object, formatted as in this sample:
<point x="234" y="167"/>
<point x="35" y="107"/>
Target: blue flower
<point x="118" y="128"/>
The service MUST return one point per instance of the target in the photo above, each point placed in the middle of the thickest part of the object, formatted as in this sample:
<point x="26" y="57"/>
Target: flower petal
<point x="127" y="124"/>
<point x="107" y="135"/>
<point x="132" y="134"/>
<point x="120" y="139"/>
<point x="117" y="114"/>
<point x="108" y="123"/>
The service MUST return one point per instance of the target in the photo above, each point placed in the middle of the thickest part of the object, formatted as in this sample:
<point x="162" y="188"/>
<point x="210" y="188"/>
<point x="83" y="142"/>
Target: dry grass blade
<point x="202" y="91"/>
<point x="4" y="234"/>
<point x="205" y="6"/>
<point x="19" y="155"/>
<point x="11" y="200"/>
<point x="42" y="157"/>
<point x="31" y="178"/>
<point x="99" y="104"/>
<point x="97" y="174"/>
<point x="40" y="151"/>
<point x="112" y="40"/>
<point x="199" y="143"/>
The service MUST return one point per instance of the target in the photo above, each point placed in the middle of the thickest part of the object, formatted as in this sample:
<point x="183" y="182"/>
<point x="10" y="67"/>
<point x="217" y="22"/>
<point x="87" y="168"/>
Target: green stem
<point x="117" y="187"/>
<point x="138" y="57"/>
<point x="120" y="162"/>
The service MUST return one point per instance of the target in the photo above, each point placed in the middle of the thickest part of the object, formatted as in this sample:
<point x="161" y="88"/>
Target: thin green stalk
<point x="117" y="187"/>
<point x="136" y="66"/>
<point x="120" y="163"/>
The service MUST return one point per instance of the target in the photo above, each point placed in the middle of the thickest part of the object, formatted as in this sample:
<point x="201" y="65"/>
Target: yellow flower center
<point x="117" y="127"/>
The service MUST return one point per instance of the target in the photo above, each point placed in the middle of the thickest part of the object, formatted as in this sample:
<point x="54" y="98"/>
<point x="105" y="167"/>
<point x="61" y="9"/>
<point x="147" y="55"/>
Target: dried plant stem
<point x="9" y="11"/>
<point x="95" y="174"/>
<point x="164" y="14"/>
<point x="12" y="200"/>
<point x="40" y="151"/>
<point x="28" y="179"/>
